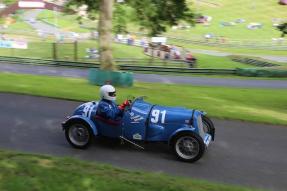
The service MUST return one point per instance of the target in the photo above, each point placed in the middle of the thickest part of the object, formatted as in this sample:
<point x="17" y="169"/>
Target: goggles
<point x="112" y="94"/>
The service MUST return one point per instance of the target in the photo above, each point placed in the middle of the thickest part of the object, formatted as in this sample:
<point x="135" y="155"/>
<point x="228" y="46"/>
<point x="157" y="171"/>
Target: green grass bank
<point x="249" y="104"/>
<point x="28" y="172"/>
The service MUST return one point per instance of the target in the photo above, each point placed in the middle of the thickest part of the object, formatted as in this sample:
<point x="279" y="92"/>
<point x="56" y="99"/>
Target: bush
<point x="261" y="72"/>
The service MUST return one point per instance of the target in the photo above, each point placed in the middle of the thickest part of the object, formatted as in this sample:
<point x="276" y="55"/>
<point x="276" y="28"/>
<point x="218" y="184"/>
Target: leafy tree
<point x="8" y="2"/>
<point x="156" y="15"/>
<point x="153" y="15"/>
<point x="119" y="19"/>
<point x="283" y="28"/>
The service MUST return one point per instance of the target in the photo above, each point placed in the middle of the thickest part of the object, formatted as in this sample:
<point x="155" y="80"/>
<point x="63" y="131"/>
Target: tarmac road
<point x="243" y="153"/>
<point x="166" y="79"/>
<point x="30" y="17"/>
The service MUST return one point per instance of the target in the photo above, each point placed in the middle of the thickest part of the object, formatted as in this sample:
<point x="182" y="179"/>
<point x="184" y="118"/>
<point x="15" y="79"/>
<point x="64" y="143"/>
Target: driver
<point x="107" y="107"/>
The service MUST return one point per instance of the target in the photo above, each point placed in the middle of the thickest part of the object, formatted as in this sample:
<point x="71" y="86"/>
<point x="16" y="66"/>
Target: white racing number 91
<point x="156" y="114"/>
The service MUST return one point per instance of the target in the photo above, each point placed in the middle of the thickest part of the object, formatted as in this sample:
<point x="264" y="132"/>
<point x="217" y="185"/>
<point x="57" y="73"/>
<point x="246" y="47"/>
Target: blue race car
<point x="188" y="132"/>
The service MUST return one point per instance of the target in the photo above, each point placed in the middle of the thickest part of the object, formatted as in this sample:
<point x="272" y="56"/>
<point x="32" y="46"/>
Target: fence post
<point x="54" y="51"/>
<point x="12" y="52"/>
<point x="75" y="50"/>
<point x="151" y="60"/>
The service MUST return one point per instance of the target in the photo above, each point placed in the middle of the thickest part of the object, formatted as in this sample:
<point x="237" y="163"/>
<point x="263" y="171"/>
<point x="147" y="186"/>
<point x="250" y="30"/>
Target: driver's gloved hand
<point x="124" y="105"/>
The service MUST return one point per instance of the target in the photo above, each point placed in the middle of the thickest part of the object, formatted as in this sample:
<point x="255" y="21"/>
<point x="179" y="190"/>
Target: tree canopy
<point x="283" y="28"/>
<point x="153" y="15"/>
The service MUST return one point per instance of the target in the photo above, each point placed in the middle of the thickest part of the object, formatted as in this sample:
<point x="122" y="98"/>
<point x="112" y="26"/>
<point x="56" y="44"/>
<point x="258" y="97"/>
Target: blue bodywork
<point x="143" y="122"/>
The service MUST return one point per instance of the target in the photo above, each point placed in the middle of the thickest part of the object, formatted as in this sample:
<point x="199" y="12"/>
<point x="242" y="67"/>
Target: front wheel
<point x="188" y="147"/>
<point x="78" y="135"/>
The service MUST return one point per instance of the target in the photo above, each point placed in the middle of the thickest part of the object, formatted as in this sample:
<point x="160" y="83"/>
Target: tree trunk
<point x="105" y="35"/>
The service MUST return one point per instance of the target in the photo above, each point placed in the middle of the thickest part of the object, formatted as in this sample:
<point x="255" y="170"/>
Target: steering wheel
<point x="132" y="100"/>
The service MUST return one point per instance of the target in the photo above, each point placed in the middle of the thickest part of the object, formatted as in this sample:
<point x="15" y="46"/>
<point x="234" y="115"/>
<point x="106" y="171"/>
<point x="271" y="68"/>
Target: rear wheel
<point x="79" y="135"/>
<point x="188" y="146"/>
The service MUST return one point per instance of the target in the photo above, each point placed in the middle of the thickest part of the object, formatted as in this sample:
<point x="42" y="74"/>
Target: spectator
<point x="177" y="54"/>
<point x="190" y="59"/>
<point x="166" y="55"/>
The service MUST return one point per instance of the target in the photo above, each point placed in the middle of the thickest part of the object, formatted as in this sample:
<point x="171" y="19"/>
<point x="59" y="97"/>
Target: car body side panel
<point x="86" y="109"/>
<point x="163" y="121"/>
<point x="184" y="129"/>
<point x="109" y="130"/>
<point x="134" y="120"/>
<point x="89" y="110"/>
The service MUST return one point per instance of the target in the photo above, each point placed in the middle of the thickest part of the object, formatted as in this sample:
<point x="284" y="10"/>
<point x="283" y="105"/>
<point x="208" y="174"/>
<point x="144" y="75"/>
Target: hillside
<point x="223" y="13"/>
<point x="226" y="12"/>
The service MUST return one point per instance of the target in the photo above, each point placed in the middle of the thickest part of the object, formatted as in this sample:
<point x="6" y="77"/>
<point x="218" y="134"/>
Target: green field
<point x="249" y="104"/>
<point x="227" y="11"/>
<point x="28" y="172"/>
<point x="220" y="10"/>
<point x="65" y="22"/>
<point x="66" y="51"/>
<point x="19" y="25"/>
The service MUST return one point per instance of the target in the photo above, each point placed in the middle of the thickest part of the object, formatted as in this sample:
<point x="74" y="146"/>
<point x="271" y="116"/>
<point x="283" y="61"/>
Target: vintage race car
<point x="188" y="132"/>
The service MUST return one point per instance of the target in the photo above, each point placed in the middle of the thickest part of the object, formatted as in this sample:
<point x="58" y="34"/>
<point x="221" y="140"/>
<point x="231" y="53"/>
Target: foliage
<point x="283" y="28"/>
<point x="157" y="15"/>
<point x="8" y="2"/>
<point x="119" y="19"/>
<point x="153" y="15"/>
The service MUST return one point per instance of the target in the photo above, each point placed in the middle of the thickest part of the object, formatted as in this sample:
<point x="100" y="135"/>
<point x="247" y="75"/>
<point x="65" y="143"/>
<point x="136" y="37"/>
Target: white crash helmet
<point x="108" y="92"/>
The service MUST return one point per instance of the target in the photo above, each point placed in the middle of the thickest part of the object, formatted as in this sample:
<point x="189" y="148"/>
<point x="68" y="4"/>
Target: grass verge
<point x="66" y="50"/>
<point x="208" y="61"/>
<point x="37" y="172"/>
<point x="257" y="105"/>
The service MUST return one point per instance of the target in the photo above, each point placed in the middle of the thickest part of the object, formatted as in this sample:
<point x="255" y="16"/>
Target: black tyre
<point x="188" y="146"/>
<point x="208" y="126"/>
<point x="79" y="135"/>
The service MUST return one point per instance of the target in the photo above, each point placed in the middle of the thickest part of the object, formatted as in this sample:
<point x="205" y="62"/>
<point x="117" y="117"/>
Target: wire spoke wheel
<point x="187" y="147"/>
<point x="78" y="135"/>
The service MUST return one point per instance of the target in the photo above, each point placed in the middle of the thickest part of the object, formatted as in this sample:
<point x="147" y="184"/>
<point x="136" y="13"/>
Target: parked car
<point x="187" y="131"/>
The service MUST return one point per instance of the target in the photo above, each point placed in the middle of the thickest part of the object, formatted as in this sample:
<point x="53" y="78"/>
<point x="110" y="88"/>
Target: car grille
<point x="200" y="126"/>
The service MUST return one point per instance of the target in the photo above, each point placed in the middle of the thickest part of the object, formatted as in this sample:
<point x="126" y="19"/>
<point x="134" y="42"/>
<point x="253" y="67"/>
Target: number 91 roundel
<point x="158" y="115"/>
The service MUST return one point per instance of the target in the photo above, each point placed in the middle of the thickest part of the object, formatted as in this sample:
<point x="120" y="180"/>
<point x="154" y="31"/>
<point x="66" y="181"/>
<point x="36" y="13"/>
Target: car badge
<point x="137" y="136"/>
